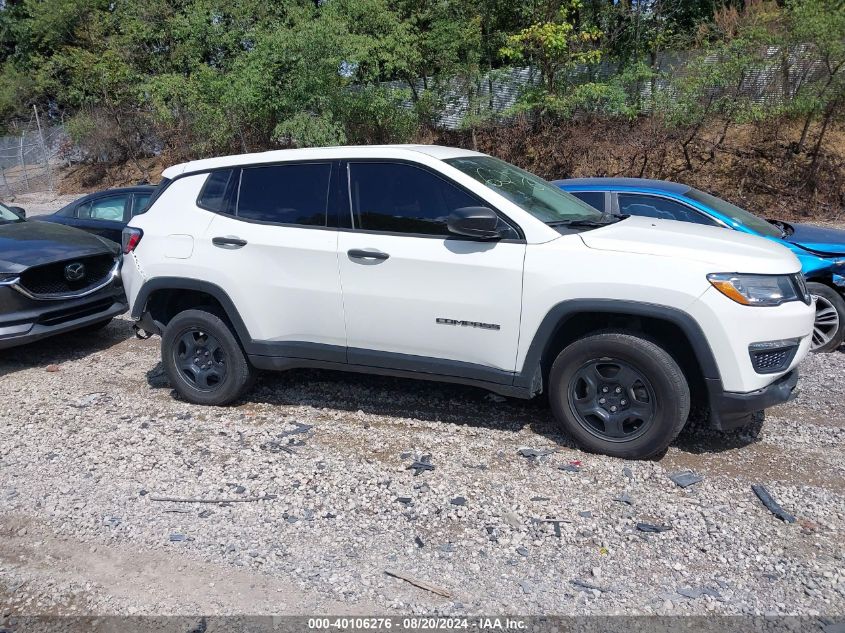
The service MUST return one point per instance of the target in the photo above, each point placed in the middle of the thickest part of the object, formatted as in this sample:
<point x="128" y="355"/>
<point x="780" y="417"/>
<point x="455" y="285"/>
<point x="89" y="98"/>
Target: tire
<point x="829" y="327"/>
<point x="651" y="406"/>
<point x="223" y="373"/>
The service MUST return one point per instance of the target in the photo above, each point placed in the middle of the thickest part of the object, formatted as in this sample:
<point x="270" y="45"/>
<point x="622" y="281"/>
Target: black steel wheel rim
<point x="612" y="400"/>
<point x="200" y="359"/>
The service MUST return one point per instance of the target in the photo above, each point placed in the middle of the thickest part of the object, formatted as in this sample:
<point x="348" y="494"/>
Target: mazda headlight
<point x="761" y="290"/>
<point x="6" y="278"/>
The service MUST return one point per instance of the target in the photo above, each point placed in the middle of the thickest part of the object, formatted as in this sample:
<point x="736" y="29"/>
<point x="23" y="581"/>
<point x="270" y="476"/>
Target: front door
<point x="416" y="297"/>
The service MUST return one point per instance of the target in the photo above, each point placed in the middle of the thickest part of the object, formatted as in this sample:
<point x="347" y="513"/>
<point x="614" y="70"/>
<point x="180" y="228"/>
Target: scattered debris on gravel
<point x="349" y="493"/>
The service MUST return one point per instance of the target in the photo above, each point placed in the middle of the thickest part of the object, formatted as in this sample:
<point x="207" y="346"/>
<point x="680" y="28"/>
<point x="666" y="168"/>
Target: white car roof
<point x="319" y="153"/>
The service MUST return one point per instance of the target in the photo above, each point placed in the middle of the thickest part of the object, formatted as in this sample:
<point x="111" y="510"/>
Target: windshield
<point x="540" y="198"/>
<point x="7" y="215"/>
<point x="735" y="213"/>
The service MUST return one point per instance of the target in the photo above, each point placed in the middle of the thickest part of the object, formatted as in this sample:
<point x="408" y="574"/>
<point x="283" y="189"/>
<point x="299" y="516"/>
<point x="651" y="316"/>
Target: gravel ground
<point x="41" y="202"/>
<point x="91" y="436"/>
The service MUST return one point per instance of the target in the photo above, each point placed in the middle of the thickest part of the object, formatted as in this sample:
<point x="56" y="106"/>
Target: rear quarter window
<point x="218" y="192"/>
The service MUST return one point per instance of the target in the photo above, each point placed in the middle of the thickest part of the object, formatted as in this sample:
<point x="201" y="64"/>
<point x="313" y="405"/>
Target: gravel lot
<point x="91" y="434"/>
<point x="41" y="202"/>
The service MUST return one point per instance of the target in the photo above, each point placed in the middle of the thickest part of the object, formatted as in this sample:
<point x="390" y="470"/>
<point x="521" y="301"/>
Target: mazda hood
<point x="819" y="240"/>
<point x="26" y="244"/>
<point x="722" y="249"/>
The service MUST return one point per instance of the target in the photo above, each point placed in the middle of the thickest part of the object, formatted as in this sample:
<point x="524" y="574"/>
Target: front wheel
<point x="203" y="360"/>
<point x="619" y="394"/>
<point x="829" y="326"/>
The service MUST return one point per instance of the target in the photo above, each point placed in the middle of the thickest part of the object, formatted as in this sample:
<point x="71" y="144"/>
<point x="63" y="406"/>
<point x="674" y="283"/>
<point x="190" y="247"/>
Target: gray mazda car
<point x="54" y="279"/>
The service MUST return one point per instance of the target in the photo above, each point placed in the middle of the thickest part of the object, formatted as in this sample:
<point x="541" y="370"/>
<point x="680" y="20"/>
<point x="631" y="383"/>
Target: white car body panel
<point x="298" y="283"/>
<point x="284" y="281"/>
<point x="429" y="278"/>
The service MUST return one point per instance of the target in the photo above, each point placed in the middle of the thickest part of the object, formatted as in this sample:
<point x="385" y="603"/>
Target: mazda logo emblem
<point x="75" y="271"/>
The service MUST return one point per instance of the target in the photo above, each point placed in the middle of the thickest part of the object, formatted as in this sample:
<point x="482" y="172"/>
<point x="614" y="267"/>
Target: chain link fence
<point x="28" y="159"/>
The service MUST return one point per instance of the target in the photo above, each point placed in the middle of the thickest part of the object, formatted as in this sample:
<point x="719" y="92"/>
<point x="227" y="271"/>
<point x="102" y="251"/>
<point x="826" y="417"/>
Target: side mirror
<point x="19" y="211"/>
<point x="477" y="222"/>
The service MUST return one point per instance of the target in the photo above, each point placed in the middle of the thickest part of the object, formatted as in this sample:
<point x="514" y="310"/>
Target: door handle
<point x="359" y="253"/>
<point x="228" y="242"/>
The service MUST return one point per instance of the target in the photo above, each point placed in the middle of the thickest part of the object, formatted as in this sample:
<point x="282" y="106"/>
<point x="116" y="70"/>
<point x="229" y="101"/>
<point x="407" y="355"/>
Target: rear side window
<point x="217" y="192"/>
<point x="594" y="198"/>
<point x="162" y="185"/>
<point x="285" y="194"/>
<point x="142" y="201"/>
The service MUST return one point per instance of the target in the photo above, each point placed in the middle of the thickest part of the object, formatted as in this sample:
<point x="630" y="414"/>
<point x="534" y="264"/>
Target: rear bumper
<point x="730" y="410"/>
<point x="24" y="320"/>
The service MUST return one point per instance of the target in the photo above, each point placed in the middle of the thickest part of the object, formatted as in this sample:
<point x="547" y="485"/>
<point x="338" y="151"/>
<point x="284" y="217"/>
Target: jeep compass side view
<point x="446" y="264"/>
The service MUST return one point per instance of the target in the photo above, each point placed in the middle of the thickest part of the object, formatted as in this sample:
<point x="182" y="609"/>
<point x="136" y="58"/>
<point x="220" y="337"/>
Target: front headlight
<point x="6" y="278"/>
<point x="760" y="290"/>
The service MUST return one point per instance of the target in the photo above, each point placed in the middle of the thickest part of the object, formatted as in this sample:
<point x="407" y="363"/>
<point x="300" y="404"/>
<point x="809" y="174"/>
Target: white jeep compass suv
<point x="446" y="264"/>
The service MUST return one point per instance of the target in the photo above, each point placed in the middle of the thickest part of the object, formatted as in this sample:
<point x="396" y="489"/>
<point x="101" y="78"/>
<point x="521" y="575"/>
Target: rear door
<point x="415" y="296"/>
<point x="271" y="248"/>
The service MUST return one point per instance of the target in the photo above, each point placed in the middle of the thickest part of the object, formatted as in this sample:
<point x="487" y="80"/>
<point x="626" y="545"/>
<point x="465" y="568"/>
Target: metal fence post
<point x="43" y="149"/>
<point x="23" y="166"/>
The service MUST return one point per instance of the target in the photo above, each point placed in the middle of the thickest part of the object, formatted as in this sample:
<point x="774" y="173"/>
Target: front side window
<point x="735" y="213"/>
<point x="662" y="208"/>
<point x="110" y="209"/>
<point x="7" y="216"/>
<point x="538" y="197"/>
<point x="400" y="198"/>
<point x="285" y="194"/>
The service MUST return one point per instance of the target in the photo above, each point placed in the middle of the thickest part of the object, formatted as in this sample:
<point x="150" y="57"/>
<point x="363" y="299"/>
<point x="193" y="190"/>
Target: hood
<point x="722" y="249"/>
<point x="25" y="244"/>
<point x="819" y="240"/>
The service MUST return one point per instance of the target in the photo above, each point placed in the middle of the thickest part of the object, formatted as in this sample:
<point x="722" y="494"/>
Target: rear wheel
<point x="619" y="394"/>
<point x="829" y="326"/>
<point x="203" y="359"/>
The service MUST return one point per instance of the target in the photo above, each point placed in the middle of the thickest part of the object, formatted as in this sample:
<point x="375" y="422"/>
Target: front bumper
<point x="730" y="410"/>
<point x="24" y="320"/>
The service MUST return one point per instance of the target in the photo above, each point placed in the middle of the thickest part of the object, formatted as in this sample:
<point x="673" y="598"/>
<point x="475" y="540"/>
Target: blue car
<point x="821" y="251"/>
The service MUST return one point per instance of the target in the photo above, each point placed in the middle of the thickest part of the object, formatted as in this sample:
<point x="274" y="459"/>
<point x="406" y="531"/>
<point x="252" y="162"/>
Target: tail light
<point x="131" y="237"/>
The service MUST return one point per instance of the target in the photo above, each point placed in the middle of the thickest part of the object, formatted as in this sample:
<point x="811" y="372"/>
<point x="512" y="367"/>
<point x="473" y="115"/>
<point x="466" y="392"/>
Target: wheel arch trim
<point x="151" y="286"/>
<point x="562" y="312"/>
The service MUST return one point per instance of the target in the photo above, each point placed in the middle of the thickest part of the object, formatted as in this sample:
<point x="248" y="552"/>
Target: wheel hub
<point x="200" y="359"/>
<point x="612" y="399"/>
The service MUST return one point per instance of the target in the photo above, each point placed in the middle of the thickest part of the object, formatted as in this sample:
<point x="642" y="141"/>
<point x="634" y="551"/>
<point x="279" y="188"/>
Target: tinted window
<point x="662" y="208"/>
<point x="217" y="192"/>
<point x="405" y="199"/>
<point x="594" y="198"/>
<point x="285" y="194"/>
<point x="110" y="208"/>
<point x="141" y="202"/>
<point x="735" y="213"/>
